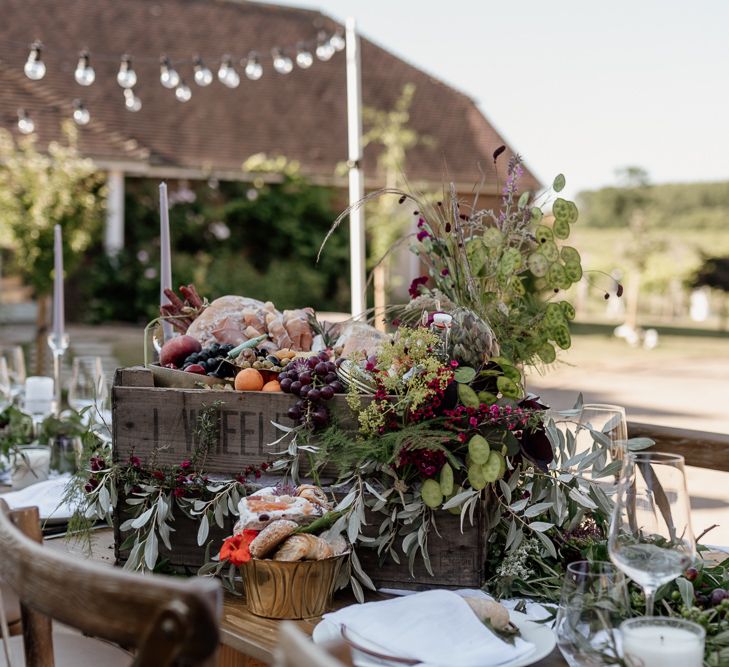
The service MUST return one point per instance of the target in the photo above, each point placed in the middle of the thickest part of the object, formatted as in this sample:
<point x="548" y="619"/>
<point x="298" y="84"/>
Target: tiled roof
<point x="301" y="115"/>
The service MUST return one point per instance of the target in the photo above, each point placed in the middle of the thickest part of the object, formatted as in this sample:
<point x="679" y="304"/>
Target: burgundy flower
<point x="158" y="474"/>
<point x="422" y="235"/>
<point x="135" y="461"/>
<point x="185" y="464"/>
<point x="444" y="272"/>
<point x="536" y="447"/>
<point x="414" y="289"/>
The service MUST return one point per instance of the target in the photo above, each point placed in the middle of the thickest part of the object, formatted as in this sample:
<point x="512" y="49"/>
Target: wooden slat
<point x="700" y="448"/>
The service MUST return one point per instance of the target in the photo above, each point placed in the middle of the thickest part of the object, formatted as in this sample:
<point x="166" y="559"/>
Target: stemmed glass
<point x="593" y="604"/>
<point x="651" y="539"/>
<point x="601" y="428"/>
<point x="6" y="394"/>
<point x="88" y="387"/>
<point x="15" y="362"/>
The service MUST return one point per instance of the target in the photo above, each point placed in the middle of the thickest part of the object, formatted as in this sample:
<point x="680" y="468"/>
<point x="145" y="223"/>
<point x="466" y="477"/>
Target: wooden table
<point x="247" y="640"/>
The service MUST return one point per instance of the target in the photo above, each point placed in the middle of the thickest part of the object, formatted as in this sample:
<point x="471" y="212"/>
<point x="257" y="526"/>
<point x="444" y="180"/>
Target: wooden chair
<point x="295" y="649"/>
<point x="11" y="608"/>
<point x="168" y="621"/>
<point x="699" y="448"/>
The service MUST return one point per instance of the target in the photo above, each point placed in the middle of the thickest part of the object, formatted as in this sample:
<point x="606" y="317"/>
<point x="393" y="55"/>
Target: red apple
<point x="177" y="349"/>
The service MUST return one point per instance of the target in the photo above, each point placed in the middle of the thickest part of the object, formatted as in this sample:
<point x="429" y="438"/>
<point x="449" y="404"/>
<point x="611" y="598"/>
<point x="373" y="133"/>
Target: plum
<point x="177" y="349"/>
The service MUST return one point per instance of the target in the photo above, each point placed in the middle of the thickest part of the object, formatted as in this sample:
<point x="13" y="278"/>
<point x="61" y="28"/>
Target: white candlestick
<point x="662" y="642"/>
<point x="165" y="268"/>
<point x="38" y="394"/>
<point x="58" y="304"/>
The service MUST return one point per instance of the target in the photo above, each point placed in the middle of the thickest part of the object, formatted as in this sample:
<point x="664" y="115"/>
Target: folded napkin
<point x="47" y="496"/>
<point x="436" y="627"/>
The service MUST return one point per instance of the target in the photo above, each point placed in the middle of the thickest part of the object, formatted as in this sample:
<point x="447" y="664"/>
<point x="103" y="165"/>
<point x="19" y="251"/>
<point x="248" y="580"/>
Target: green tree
<point x="386" y="222"/>
<point x="39" y="190"/>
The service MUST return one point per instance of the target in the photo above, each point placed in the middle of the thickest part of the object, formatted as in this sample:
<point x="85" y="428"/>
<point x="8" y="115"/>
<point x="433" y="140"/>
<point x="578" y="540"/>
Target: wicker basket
<point x="278" y="589"/>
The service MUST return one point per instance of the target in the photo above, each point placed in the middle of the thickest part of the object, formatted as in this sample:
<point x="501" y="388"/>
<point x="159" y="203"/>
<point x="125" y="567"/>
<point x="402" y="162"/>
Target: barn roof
<point x="301" y="115"/>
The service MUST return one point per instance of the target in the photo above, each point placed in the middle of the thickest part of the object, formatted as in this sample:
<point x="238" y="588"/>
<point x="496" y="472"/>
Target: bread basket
<point x="290" y="590"/>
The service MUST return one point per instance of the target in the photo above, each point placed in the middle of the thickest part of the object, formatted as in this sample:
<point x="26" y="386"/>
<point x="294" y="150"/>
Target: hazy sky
<point x="578" y="86"/>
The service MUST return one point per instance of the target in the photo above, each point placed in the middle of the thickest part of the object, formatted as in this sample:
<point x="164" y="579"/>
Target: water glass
<point x="593" y="604"/>
<point x="601" y="428"/>
<point x="651" y="539"/>
<point x="88" y="387"/>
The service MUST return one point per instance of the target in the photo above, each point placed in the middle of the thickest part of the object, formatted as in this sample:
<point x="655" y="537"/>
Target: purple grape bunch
<point x="314" y="380"/>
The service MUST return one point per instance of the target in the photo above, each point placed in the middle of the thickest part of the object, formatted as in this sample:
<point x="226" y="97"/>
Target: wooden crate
<point x="148" y="417"/>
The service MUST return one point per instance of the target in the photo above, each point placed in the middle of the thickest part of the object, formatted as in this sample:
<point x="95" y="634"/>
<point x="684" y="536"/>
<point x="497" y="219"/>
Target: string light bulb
<point x="304" y="59"/>
<point x="324" y="48"/>
<point x="203" y="76"/>
<point x="35" y="68"/>
<point x="183" y="92"/>
<point x="81" y="115"/>
<point x="84" y="74"/>
<point x="337" y="41"/>
<point x="168" y="75"/>
<point x="254" y="69"/>
<point x="25" y="122"/>
<point x="131" y="101"/>
<point x="126" y="77"/>
<point x="281" y="62"/>
<point x="227" y="74"/>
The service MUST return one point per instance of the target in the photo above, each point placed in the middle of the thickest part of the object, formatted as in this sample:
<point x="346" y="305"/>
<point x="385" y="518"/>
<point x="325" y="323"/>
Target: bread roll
<point x="270" y="537"/>
<point x="303" y="547"/>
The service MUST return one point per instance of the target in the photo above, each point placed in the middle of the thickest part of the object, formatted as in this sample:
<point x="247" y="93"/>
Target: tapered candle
<point x="165" y="269"/>
<point x="58" y="305"/>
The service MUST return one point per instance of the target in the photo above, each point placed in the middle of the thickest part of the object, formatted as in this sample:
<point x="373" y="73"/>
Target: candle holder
<point x="58" y="345"/>
<point x="661" y="641"/>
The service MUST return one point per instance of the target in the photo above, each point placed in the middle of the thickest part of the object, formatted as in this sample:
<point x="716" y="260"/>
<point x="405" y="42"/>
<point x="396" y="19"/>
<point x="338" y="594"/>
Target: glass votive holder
<point x="66" y="453"/>
<point x="660" y="641"/>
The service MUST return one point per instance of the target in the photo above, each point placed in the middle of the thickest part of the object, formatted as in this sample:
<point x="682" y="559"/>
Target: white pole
<point x="356" y="180"/>
<point x="114" y="232"/>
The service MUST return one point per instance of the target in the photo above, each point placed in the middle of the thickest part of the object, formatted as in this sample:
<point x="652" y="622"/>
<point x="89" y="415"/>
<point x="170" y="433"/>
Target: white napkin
<point x="46" y="496"/>
<point x="534" y="611"/>
<point x="436" y="627"/>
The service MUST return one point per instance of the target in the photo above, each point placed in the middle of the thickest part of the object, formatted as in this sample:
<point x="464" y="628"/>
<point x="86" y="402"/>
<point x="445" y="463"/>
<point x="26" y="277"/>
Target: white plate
<point x="537" y="634"/>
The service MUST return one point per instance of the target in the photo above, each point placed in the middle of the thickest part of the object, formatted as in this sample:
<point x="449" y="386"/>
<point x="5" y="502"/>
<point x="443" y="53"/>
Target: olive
<point x="274" y="360"/>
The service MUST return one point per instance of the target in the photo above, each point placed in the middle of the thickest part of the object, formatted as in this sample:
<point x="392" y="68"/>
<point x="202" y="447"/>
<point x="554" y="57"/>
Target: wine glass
<point x="6" y="394"/>
<point x="651" y="538"/>
<point x="88" y="387"/>
<point x="593" y="604"/>
<point x="601" y="428"/>
<point x="15" y="362"/>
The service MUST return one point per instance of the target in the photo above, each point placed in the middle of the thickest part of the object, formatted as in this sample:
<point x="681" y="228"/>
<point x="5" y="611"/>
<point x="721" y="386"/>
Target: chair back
<point x="165" y="619"/>
<point x="295" y="649"/>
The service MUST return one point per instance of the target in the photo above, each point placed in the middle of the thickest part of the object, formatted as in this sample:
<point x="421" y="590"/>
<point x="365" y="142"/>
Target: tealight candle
<point x="657" y="641"/>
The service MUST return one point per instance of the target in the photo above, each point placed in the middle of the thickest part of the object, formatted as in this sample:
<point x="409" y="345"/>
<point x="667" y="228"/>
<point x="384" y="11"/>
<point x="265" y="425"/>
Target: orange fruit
<point x="273" y="385"/>
<point x="249" y="379"/>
